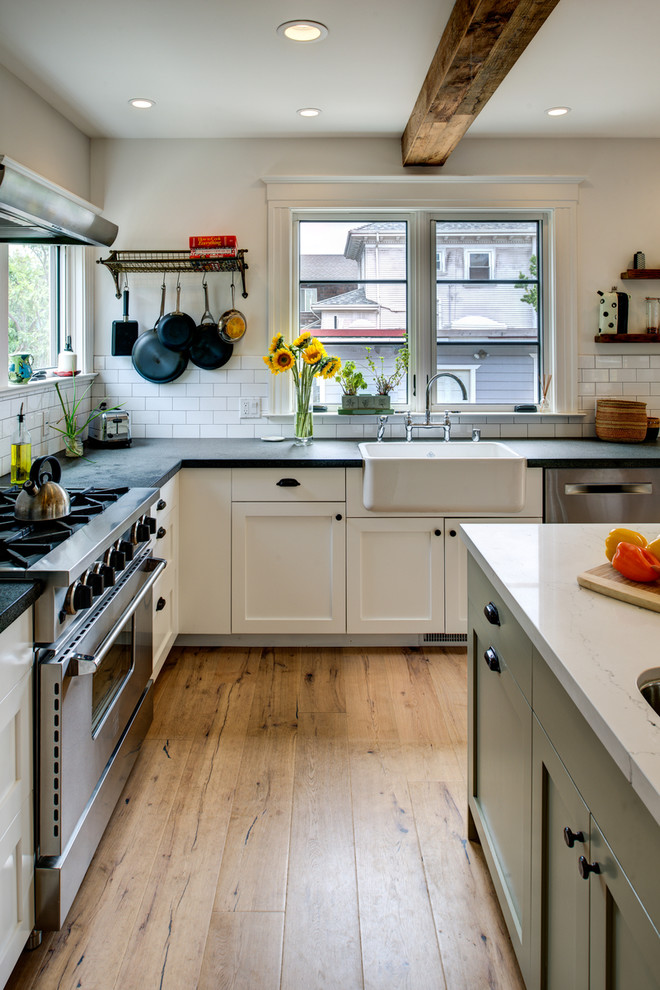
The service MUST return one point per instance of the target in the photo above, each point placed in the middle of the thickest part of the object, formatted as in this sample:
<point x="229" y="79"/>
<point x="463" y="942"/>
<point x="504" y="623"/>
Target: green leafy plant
<point x="351" y="379"/>
<point x="387" y="382"/>
<point x="73" y="430"/>
<point x="531" y="294"/>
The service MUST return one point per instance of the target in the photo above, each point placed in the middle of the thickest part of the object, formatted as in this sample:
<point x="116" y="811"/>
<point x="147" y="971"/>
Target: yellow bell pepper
<point x="654" y="547"/>
<point x="621" y="535"/>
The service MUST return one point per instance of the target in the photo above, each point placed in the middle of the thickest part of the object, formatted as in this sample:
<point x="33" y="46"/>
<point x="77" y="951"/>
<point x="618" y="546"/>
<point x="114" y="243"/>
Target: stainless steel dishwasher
<point x="609" y="495"/>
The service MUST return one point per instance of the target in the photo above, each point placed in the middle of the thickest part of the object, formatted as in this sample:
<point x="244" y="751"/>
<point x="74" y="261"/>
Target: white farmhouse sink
<point x="442" y="477"/>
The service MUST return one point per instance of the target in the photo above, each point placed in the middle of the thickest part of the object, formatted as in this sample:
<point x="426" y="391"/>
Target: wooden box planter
<point x="365" y="404"/>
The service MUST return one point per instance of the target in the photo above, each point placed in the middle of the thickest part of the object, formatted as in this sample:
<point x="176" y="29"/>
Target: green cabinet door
<point x="500" y="784"/>
<point x="625" y="945"/>
<point x="560" y="897"/>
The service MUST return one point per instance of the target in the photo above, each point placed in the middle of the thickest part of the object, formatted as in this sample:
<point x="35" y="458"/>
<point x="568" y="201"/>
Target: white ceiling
<point x="218" y="69"/>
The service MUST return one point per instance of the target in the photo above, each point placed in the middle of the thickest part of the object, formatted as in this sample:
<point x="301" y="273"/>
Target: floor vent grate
<point x="444" y="638"/>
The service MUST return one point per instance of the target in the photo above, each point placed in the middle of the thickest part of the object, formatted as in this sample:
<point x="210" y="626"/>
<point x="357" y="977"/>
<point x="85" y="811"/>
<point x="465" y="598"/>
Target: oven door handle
<point x="85" y="663"/>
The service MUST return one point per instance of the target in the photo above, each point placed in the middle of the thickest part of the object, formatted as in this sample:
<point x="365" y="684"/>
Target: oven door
<point x="95" y="707"/>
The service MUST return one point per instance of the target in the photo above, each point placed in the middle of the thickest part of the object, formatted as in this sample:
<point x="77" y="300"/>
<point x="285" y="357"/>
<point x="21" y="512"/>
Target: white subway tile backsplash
<point x="635" y="360"/>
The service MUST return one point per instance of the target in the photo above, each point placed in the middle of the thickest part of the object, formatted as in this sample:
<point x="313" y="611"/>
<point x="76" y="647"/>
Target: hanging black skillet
<point x="208" y="350"/>
<point x="152" y="360"/>
<point x="176" y="330"/>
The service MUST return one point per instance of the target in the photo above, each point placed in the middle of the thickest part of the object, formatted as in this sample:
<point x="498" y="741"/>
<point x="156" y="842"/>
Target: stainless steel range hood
<point x="36" y="211"/>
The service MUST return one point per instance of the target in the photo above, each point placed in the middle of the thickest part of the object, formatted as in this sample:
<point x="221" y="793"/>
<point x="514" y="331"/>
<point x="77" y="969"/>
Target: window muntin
<point x="353" y="293"/>
<point x="35" y="273"/>
<point x="487" y="313"/>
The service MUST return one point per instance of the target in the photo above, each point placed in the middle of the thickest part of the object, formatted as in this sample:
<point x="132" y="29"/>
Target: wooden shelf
<point x="627" y="338"/>
<point x="120" y="262"/>
<point x="641" y="273"/>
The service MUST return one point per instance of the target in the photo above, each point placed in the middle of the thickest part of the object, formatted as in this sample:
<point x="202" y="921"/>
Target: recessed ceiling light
<point x="141" y="104"/>
<point x="558" y="111"/>
<point x="303" y="31"/>
<point x="309" y="112"/>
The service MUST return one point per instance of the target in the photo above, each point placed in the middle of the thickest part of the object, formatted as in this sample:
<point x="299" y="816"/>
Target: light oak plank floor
<point x="295" y="821"/>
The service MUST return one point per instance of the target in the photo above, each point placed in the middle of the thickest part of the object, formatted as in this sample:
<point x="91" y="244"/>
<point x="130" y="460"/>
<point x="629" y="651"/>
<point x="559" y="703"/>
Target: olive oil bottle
<point x="21" y="452"/>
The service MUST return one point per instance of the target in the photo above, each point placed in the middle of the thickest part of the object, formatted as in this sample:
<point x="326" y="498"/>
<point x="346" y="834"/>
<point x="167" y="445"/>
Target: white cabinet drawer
<point x="288" y="485"/>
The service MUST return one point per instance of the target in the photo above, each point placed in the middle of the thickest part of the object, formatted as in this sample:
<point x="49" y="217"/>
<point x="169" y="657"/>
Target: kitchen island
<point x="564" y="759"/>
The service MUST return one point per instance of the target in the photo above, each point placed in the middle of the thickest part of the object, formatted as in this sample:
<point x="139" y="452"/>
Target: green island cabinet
<point x="571" y="848"/>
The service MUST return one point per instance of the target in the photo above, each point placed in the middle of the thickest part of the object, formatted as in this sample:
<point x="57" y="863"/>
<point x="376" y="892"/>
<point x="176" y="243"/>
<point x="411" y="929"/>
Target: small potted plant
<point x="385" y="382"/>
<point x="73" y="430"/>
<point x="351" y="379"/>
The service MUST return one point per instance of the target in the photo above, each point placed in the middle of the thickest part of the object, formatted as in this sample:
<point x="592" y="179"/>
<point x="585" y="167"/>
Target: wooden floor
<point x="295" y="821"/>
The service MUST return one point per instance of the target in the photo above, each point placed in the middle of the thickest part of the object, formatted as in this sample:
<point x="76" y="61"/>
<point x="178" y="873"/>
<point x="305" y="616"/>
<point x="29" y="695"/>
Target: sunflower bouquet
<point x="307" y="359"/>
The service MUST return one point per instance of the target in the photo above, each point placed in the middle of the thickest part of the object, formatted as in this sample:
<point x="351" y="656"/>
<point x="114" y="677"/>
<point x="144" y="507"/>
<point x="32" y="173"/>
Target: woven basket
<point x="620" y="421"/>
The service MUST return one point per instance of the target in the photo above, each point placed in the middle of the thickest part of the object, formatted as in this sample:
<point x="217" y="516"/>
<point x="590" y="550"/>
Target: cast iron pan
<point x="208" y="350"/>
<point x="152" y="360"/>
<point x="176" y="330"/>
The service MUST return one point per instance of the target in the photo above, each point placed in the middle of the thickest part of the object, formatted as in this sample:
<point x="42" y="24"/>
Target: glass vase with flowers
<point x="306" y="358"/>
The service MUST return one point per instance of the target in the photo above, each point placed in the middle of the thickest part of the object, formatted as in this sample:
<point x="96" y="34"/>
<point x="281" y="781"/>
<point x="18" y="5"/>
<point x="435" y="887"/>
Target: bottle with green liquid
<point x="21" y="452"/>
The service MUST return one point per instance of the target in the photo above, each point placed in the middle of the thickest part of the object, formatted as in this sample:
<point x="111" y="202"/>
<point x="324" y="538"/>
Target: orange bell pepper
<point x="636" y="563"/>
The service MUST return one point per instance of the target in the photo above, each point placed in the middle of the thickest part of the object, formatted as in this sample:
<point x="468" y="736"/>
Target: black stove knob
<point x="78" y="597"/>
<point x="142" y="532"/>
<point x="126" y="547"/>
<point x="151" y="523"/>
<point x="117" y="560"/>
<point x="95" y="582"/>
<point x="108" y="573"/>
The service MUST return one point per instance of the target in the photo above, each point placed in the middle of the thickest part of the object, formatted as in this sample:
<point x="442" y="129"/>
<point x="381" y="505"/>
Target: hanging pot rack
<point x="120" y="263"/>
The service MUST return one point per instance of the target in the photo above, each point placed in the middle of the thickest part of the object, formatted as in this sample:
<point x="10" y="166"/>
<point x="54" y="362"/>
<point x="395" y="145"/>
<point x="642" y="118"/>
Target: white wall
<point x="159" y="192"/>
<point x="40" y="138"/>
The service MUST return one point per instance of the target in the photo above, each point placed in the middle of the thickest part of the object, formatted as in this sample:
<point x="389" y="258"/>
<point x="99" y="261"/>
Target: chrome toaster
<point x="111" y="428"/>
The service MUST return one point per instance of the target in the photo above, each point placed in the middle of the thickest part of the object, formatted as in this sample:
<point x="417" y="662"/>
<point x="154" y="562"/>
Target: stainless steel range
<point x="93" y="655"/>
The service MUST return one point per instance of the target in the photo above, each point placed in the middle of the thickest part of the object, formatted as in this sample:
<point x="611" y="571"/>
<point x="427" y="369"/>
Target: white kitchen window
<point x="518" y="236"/>
<point x="45" y="296"/>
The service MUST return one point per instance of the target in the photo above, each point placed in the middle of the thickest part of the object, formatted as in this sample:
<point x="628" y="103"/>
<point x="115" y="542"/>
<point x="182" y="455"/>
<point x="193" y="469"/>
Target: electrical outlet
<point x="250" y="408"/>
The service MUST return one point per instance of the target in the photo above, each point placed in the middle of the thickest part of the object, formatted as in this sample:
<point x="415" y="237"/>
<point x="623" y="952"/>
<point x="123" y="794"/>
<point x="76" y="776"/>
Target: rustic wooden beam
<point x="483" y="39"/>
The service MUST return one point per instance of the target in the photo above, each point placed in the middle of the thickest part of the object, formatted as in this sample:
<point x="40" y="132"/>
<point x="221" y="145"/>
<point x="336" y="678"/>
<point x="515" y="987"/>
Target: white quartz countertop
<point x="597" y="647"/>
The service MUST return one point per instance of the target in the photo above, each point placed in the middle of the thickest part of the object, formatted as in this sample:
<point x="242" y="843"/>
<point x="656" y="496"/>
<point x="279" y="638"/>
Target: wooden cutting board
<point x="607" y="581"/>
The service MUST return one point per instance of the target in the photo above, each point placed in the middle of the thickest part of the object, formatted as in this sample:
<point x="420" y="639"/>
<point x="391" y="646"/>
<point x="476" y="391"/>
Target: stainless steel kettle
<point x="41" y="497"/>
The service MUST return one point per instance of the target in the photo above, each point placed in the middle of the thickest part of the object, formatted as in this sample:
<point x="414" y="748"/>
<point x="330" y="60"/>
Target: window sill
<point x="42" y="385"/>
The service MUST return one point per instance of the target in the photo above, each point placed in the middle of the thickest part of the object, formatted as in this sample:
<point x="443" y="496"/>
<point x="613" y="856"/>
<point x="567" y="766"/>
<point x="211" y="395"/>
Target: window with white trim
<point x="532" y="331"/>
<point x="45" y="294"/>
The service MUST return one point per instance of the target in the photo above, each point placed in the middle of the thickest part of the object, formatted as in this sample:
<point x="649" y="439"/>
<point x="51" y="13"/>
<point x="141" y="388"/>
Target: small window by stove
<point x="44" y="284"/>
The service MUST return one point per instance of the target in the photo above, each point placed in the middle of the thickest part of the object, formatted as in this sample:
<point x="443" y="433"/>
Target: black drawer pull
<point x="288" y="483"/>
<point x="492" y="659"/>
<point x="160" y="604"/>
<point x="162" y="504"/>
<point x="585" y="867"/>
<point x="491" y="613"/>
<point x="570" y="837"/>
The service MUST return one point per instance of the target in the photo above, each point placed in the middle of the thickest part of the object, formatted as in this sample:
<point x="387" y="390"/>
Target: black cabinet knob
<point x="452" y="532"/>
<point x="437" y="532"/>
<point x="585" y="867"/>
<point x="338" y="517"/>
<point x="492" y="659"/>
<point x="570" y="838"/>
<point x="160" y="604"/>
<point x="161" y="532"/>
<point x="161" y="504"/>
<point x="491" y="613"/>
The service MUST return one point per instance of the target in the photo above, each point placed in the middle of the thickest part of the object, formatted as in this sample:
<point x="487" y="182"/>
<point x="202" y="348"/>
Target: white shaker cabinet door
<point x="395" y="575"/>
<point x="204" y="550"/>
<point x="288" y="567"/>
